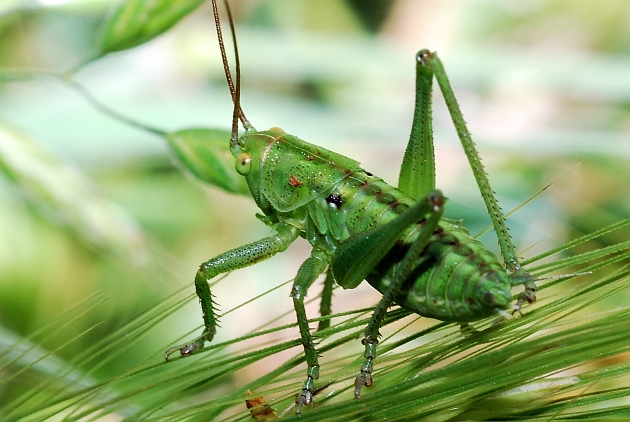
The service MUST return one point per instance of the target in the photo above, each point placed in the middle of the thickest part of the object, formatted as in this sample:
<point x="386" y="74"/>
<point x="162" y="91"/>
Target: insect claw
<point x="185" y="349"/>
<point x="528" y="295"/>
<point x="363" y="379"/>
<point x="305" y="396"/>
<point x="517" y="307"/>
<point x="169" y="352"/>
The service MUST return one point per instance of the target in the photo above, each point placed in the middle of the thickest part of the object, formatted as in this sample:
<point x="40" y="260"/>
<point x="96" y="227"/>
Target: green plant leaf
<point x="135" y="22"/>
<point x="204" y="154"/>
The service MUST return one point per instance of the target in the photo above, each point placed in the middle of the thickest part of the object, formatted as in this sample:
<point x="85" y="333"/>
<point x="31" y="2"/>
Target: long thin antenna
<point x="237" y="58"/>
<point x="234" y="91"/>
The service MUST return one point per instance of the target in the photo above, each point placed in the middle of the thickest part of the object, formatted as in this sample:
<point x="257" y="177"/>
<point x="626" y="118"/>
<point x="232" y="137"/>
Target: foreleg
<point x="237" y="258"/>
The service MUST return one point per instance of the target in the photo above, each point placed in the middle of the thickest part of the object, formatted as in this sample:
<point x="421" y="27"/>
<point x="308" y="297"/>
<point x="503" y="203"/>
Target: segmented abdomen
<point x="456" y="279"/>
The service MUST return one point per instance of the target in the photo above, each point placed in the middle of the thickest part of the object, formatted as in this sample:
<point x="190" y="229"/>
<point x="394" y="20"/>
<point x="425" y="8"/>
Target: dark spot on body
<point x="336" y="199"/>
<point x="368" y="173"/>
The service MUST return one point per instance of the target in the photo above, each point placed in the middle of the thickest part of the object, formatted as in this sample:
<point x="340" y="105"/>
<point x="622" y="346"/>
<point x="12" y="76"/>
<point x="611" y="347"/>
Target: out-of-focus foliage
<point x="203" y="153"/>
<point x="544" y="86"/>
<point x="138" y="21"/>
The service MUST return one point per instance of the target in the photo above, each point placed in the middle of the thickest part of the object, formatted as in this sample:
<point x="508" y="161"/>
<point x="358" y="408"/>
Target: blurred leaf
<point x="138" y="21"/>
<point x="62" y="193"/>
<point x="371" y="12"/>
<point x="204" y="153"/>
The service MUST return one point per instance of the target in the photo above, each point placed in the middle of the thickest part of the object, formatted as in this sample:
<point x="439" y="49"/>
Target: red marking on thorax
<point x="295" y="182"/>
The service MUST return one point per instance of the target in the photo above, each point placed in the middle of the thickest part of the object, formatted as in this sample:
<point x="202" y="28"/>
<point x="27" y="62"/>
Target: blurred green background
<point x="544" y="87"/>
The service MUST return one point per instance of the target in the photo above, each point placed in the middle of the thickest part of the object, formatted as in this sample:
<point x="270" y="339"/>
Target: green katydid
<point x="361" y="228"/>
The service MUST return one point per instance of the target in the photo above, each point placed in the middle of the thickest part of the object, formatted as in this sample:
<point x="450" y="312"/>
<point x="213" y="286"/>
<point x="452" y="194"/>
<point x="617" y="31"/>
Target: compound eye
<point x="243" y="164"/>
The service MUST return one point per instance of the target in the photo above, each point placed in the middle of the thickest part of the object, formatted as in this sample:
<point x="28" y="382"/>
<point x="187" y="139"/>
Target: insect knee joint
<point x="298" y="293"/>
